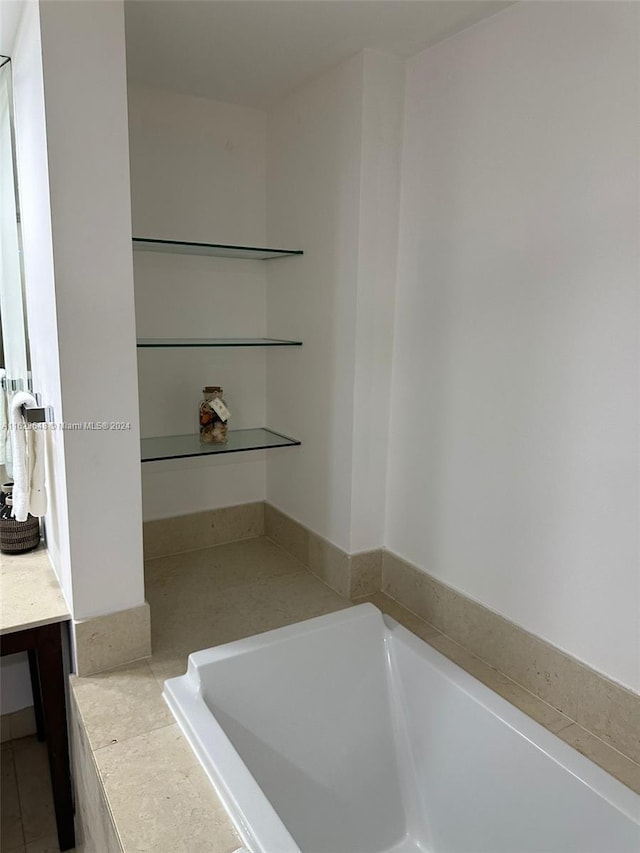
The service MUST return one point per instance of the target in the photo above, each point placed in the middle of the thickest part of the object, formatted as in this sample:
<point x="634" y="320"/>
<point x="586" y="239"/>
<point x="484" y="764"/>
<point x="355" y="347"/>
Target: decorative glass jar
<point x="213" y="416"/>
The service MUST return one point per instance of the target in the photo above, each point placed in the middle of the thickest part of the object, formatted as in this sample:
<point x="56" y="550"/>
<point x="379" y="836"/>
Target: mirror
<point x="14" y="348"/>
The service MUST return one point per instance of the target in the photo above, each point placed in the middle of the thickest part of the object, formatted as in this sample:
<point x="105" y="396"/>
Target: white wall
<point x="333" y="180"/>
<point x="313" y="193"/>
<point x="382" y="104"/>
<point x="91" y="310"/>
<point x="198" y="174"/>
<point x="514" y="432"/>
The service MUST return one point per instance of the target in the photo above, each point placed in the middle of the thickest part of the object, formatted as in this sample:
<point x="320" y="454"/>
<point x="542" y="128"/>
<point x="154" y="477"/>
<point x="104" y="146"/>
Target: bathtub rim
<point x="184" y="698"/>
<point x="250" y="816"/>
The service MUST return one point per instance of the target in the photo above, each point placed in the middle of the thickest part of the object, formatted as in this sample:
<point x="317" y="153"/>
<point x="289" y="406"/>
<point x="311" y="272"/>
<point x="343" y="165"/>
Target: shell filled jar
<point x="213" y="416"/>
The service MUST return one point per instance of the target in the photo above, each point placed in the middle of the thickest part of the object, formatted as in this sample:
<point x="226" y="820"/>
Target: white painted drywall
<point x="313" y="203"/>
<point x="198" y="174"/>
<point x="87" y="151"/>
<point x="383" y="94"/>
<point x="513" y="462"/>
<point x="333" y="182"/>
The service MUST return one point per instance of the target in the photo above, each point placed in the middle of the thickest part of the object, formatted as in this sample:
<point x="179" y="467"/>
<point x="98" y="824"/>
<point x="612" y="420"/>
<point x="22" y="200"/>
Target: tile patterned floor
<point x="203" y="598"/>
<point x="27" y="820"/>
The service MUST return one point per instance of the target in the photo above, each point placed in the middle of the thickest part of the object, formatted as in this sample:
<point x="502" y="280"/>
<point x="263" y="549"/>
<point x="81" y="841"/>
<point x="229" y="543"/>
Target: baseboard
<point x="351" y="575"/>
<point x="115" y="639"/>
<point x="598" y="704"/>
<point x="166" y="536"/>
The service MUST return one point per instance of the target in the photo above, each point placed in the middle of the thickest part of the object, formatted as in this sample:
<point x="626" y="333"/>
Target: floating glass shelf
<point x="214" y="342"/>
<point x="183" y="446"/>
<point x="219" y="250"/>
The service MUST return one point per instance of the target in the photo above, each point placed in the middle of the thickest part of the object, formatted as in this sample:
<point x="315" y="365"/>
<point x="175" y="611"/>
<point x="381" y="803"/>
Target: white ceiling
<point x="253" y="52"/>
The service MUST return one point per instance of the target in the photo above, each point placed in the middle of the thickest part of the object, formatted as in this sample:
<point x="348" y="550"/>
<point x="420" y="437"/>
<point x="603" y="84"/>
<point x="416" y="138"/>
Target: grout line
<point x="126" y="738"/>
<point x="604" y="743"/>
<point x="42" y="747"/>
<point x="15" y="779"/>
<point x="205" y="547"/>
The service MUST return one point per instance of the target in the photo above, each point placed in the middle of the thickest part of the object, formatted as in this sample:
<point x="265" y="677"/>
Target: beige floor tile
<point x="34" y="788"/>
<point x="227" y="566"/>
<point x="168" y="666"/>
<point x="285" y="600"/>
<point x="120" y="704"/>
<point x="23" y="723"/>
<point x="175" y="645"/>
<point x="11" y="836"/>
<point x="179" y="606"/>
<point x="214" y="596"/>
<point x="614" y="762"/>
<point x="45" y="845"/>
<point x="5" y="728"/>
<point x="178" y="626"/>
<point x="195" y="608"/>
<point x="155" y="785"/>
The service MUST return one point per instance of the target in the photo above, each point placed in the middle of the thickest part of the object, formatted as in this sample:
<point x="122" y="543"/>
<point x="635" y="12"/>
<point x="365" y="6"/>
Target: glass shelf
<point x="219" y="250"/>
<point x="147" y="343"/>
<point x="183" y="446"/>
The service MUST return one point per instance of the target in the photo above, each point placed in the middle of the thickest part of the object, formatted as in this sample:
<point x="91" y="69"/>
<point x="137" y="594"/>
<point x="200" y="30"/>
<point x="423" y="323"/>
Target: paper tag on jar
<point x="220" y="409"/>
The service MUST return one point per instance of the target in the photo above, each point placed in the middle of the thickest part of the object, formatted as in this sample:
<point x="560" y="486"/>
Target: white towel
<point x="29" y="493"/>
<point x="4" y="426"/>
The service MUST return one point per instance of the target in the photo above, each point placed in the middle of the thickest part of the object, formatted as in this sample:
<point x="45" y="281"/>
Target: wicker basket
<point x="19" y="536"/>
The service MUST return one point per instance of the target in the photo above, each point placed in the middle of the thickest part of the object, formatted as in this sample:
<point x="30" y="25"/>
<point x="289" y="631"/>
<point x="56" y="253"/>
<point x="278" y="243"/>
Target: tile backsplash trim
<point x="351" y="575"/>
<point x="105" y="642"/>
<point x="166" y="536"/>
<point x="603" y="707"/>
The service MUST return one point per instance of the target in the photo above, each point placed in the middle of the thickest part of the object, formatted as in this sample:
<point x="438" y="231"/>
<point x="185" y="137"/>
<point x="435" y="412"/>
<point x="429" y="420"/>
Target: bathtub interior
<point x="312" y="720"/>
<point x="365" y="740"/>
<point x="490" y="780"/>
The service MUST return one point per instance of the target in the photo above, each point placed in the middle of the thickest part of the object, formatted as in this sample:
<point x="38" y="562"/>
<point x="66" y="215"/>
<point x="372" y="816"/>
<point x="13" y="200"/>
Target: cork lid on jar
<point x="211" y="389"/>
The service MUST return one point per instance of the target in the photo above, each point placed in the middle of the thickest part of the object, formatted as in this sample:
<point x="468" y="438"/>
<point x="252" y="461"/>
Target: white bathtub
<point x="348" y="734"/>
